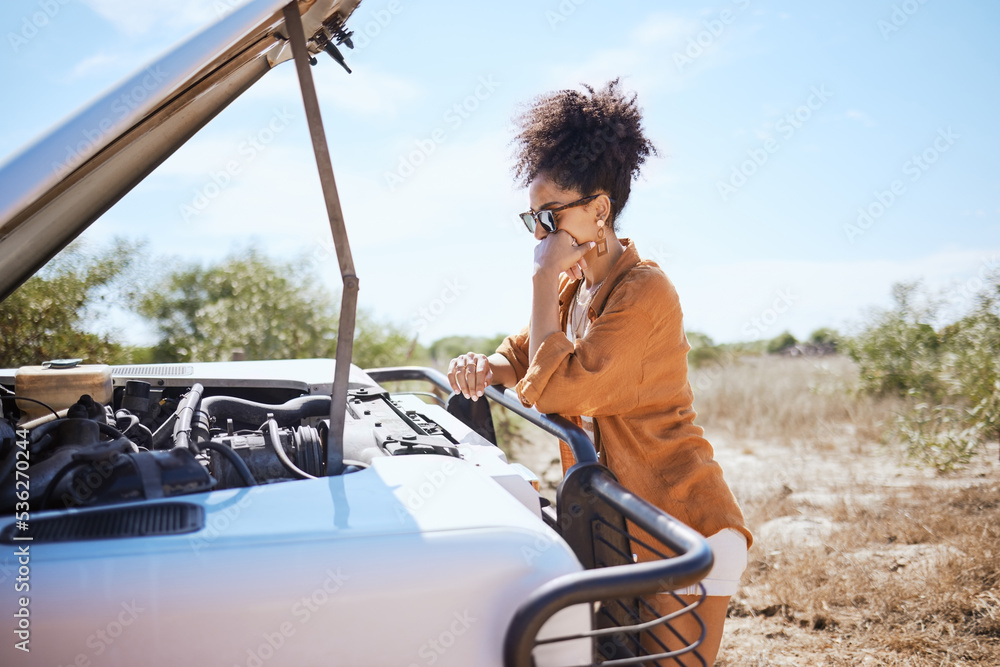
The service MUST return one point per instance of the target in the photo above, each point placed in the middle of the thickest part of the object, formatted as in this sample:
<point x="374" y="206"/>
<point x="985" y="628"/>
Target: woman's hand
<point x="470" y="374"/>
<point x="558" y="253"/>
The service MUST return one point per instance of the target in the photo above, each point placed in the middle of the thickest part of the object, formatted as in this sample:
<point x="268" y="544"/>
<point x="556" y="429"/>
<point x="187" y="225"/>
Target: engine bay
<point x="150" y="438"/>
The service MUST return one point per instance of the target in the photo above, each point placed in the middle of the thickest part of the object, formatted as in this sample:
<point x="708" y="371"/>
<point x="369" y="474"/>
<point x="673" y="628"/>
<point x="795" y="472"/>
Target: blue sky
<point x="778" y="125"/>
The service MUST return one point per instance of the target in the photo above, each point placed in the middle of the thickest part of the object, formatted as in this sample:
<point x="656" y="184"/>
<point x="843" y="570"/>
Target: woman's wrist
<point x="544" y="310"/>
<point x="543" y="277"/>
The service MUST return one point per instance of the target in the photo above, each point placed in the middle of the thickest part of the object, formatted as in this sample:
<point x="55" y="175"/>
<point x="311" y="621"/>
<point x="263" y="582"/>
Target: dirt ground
<point x="839" y="504"/>
<point x="859" y="557"/>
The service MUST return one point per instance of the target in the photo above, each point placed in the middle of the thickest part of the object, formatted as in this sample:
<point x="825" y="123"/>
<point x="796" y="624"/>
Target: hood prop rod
<point x="349" y="296"/>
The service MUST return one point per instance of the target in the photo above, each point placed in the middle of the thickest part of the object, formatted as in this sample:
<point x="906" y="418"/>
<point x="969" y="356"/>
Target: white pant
<point x="729" y="546"/>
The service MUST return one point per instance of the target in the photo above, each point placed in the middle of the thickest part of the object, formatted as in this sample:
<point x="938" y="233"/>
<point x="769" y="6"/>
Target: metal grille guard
<point x="593" y="516"/>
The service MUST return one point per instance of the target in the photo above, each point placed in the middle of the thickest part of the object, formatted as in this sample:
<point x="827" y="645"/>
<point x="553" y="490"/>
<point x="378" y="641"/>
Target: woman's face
<point x="580" y="222"/>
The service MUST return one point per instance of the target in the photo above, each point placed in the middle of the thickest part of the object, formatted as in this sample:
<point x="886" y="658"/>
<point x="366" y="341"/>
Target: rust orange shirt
<point x="629" y="373"/>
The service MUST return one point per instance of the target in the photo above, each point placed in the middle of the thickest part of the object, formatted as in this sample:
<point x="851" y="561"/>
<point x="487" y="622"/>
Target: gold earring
<point x="602" y="243"/>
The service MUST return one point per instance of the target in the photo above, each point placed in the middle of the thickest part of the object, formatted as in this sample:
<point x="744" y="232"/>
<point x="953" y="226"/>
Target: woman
<point x="606" y="345"/>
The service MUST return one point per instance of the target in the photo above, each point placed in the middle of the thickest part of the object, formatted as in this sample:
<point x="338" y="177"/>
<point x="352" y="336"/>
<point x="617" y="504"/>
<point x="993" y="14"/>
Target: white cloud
<point x="138" y="18"/>
<point x="364" y="93"/>
<point x="96" y="62"/>
<point x="860" y="117"/>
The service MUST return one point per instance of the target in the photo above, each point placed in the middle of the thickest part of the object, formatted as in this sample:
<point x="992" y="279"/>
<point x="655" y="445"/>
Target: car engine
<point x="145" y="442"/>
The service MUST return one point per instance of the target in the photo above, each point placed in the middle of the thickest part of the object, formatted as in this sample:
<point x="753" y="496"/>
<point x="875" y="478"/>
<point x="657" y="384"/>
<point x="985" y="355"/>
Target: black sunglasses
<point x="547" y="219"/>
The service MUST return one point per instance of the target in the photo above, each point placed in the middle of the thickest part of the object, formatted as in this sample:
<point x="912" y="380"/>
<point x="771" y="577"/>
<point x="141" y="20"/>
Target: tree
<point x="51" y="314"/>
<point x="378" y="344"/>
<point x="781" y="342"/>
<point x="263" y="308"/>
<point x="249" y="303"/>
<point x="898" y="352"/>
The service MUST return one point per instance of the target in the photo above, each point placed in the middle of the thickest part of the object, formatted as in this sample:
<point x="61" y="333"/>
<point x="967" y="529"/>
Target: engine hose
<point x="251" y="413"/>
<point x="41" y="437"/>
<point x="144" y="434"/>
<point x="164" y="432"/>
<point x="116" y="447"/>
<point x="275" y="440"/>
<point x="39" y="431"/>
<point x="40" y="445"/>
<point x="185" y="415"/>
<point x="147" y="434"/>
<point x="73" y="463"/>
<point x="237" y="462"/>
<point x="125" y="416"/>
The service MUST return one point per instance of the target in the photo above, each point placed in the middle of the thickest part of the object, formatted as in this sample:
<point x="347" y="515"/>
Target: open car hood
<point x="53" y="190"/>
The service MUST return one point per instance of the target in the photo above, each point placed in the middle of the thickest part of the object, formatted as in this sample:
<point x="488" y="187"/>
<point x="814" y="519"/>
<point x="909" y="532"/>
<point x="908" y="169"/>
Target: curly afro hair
<point x="589" y="142"/>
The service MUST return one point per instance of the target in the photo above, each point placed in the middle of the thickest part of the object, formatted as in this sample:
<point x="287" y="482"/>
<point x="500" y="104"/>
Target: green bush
<point x="972" y="362"/>
<point x="940" y="436"/>
<point x="825" y="337"/>
<point x="950" y="377"/>
<point x="703" y="350"/>
<point x="780" y="343"/>
<point x="898" y="353"/>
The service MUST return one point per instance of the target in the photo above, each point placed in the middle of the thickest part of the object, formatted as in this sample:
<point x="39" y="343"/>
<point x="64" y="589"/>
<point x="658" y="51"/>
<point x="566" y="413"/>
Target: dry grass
<point x="787" y="398"/>
<point x="858" y="559"/>
<point x="914" y="578"/>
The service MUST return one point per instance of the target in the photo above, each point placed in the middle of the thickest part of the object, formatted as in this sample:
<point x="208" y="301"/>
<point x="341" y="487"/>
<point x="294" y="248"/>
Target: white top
<point x="577" y="325"/>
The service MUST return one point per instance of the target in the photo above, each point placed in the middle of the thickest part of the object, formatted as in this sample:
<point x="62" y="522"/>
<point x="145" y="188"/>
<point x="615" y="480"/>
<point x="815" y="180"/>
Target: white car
<point x="282" y="512"/>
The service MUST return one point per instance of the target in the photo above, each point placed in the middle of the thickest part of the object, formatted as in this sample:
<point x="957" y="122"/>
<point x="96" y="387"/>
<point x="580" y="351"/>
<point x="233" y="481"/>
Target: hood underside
<point x="56" y="188"/>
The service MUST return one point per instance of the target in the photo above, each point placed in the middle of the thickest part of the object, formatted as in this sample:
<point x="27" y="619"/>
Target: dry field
<point x="859" y="558"/>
